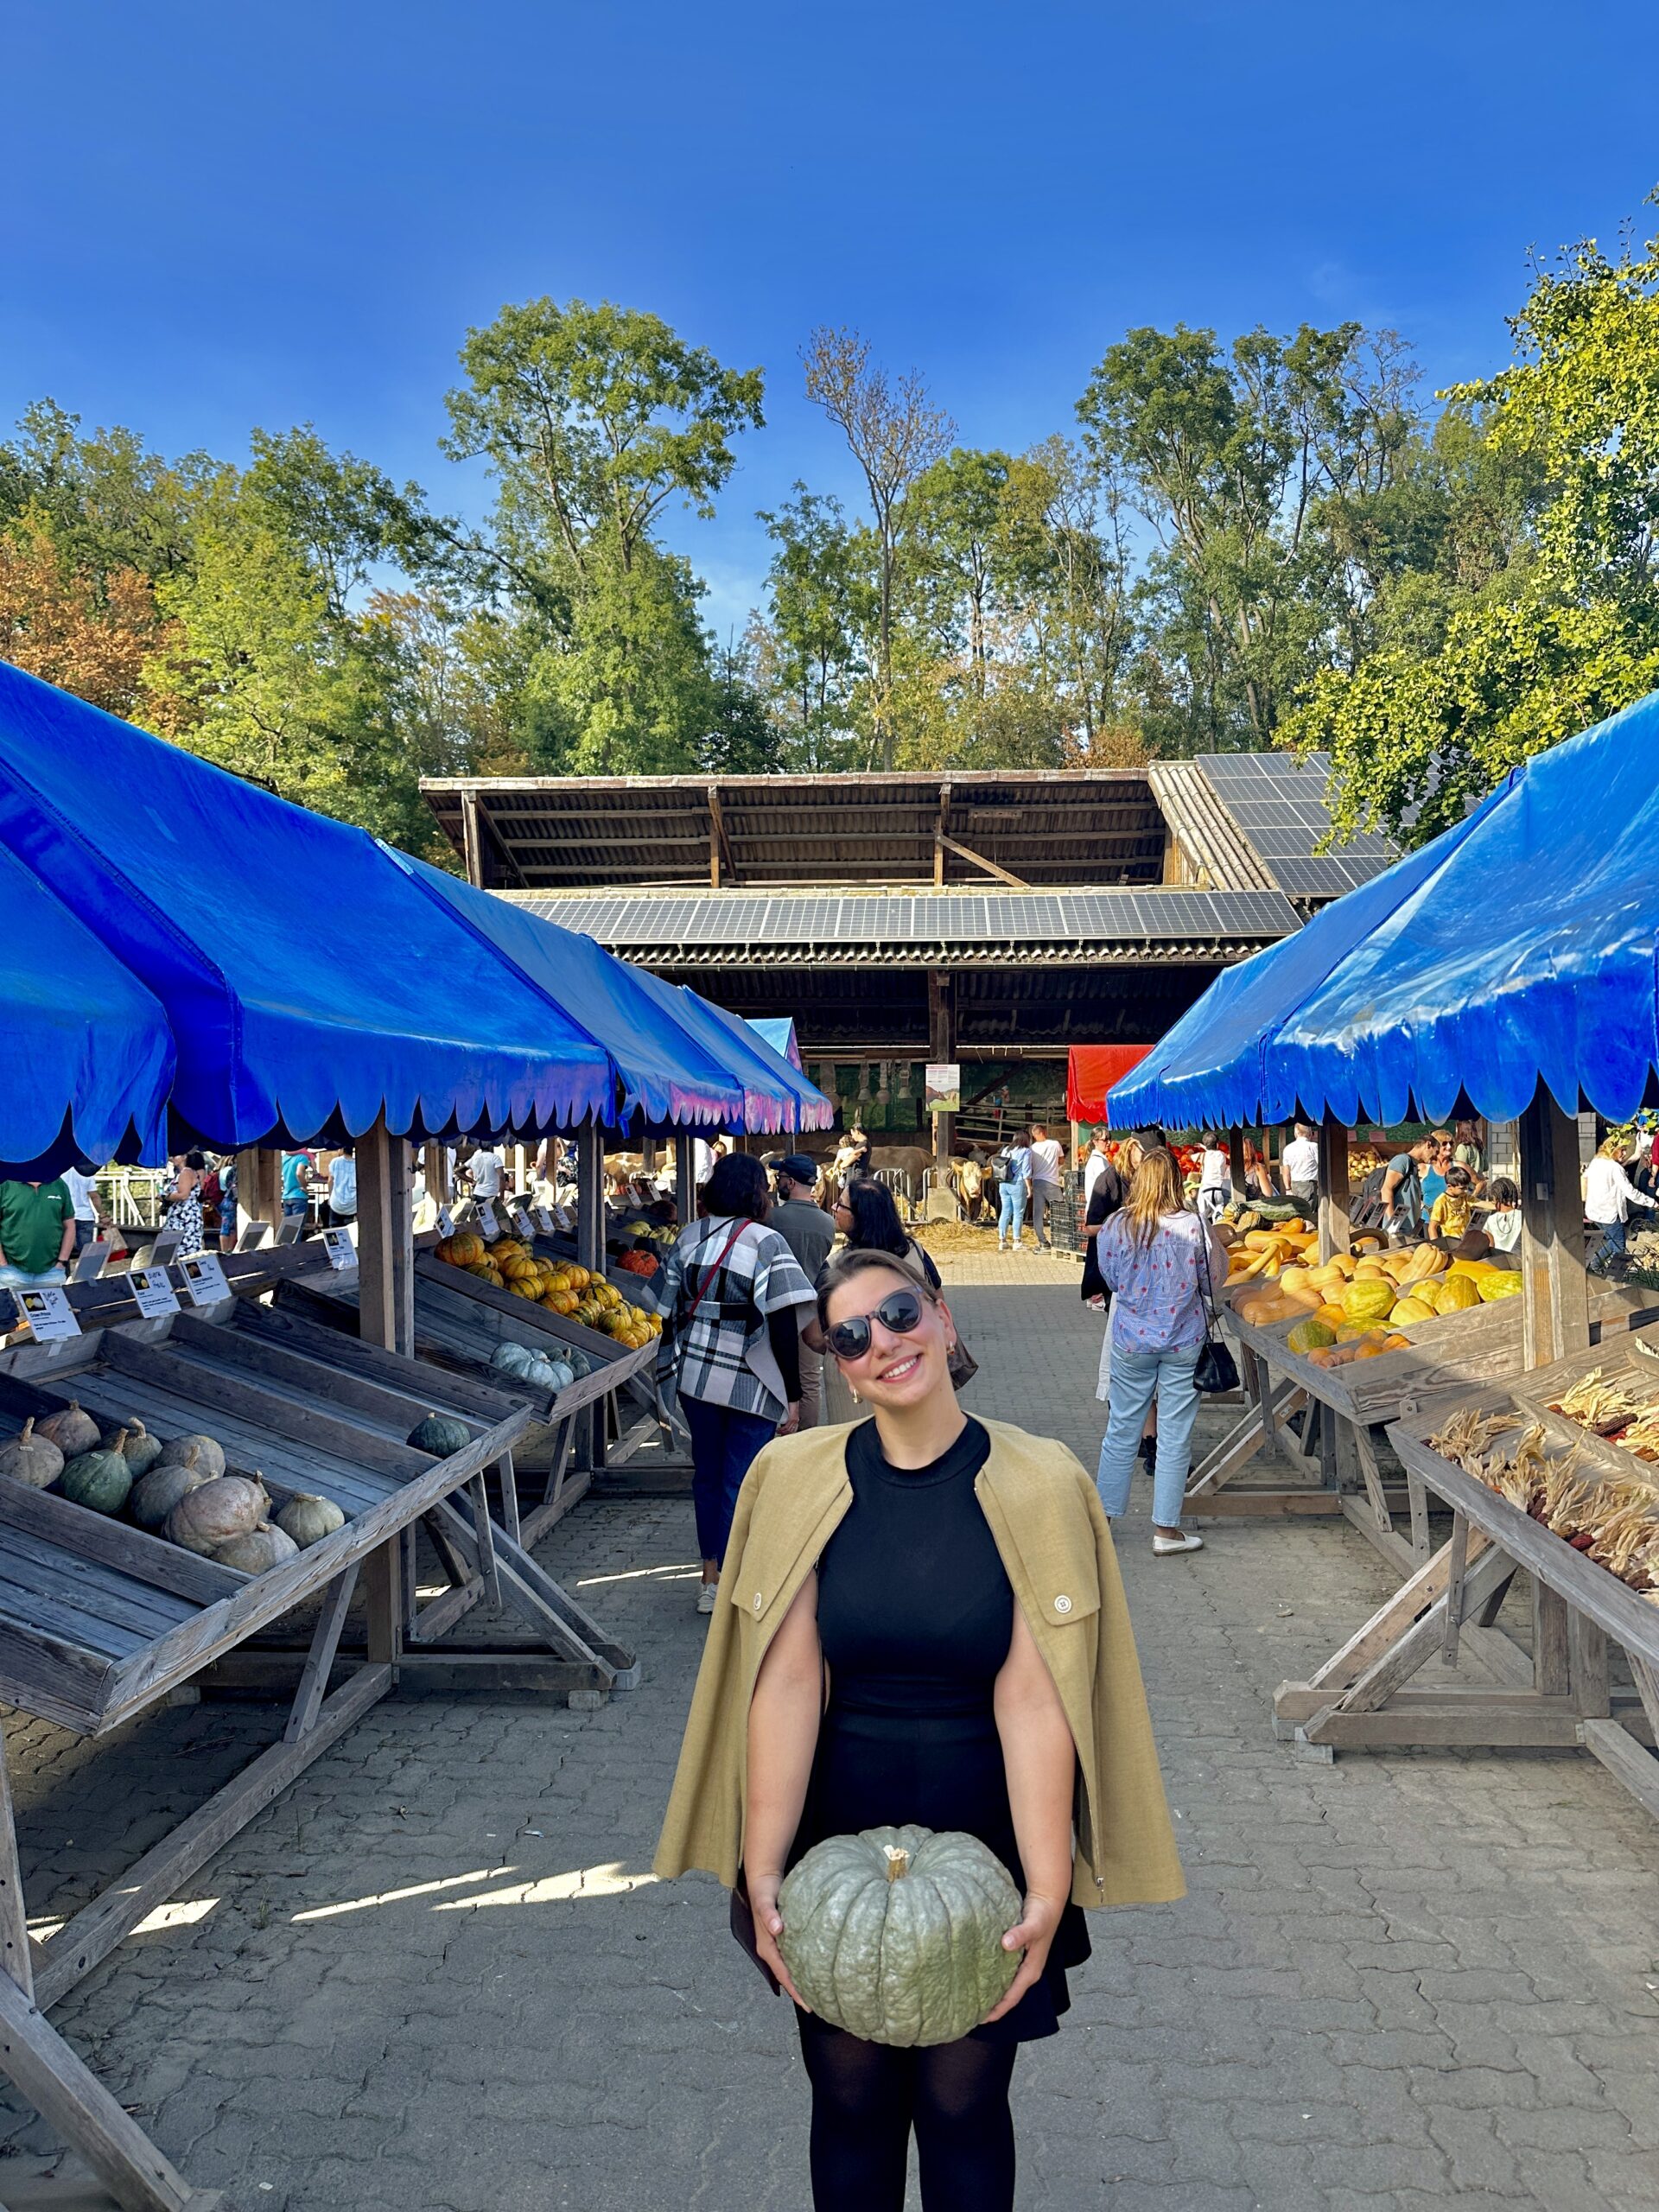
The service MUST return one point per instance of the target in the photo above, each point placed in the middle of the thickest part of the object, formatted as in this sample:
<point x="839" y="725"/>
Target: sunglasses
<point x="899" y="1311"/>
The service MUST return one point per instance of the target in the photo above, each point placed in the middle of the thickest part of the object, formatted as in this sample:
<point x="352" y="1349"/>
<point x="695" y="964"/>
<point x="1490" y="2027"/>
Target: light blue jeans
<point x="1137" y="1378"/>
<point x="1010" y="1211"/>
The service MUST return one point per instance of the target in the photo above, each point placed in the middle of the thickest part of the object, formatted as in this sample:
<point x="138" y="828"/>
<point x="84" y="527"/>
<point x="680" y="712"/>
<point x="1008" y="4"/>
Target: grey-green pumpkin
<point x="256" y="1550"/>
<point x="72" y="1431"/>
<point x="209" y="1454"/>
<point x="154" y="1494"/>
<point x="30" y="1459"/>
<point x="101" y="1479"/>
<point x="896" y="1934"/>
<point x="142" y="1449"/>
<point x="216" y="1511"/>
<point x="308" y="1520"/>
<point x="441" y="1435"/>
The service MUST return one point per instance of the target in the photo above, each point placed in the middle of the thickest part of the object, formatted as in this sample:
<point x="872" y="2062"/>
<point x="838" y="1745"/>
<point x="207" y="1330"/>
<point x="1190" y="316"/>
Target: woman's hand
<point x="792" y="1420"/>
<point x="1033" y="1933"/>
<point x="768" y="1926"/>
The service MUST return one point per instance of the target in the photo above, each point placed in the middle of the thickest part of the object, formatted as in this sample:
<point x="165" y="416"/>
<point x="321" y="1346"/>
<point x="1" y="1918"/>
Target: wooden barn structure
<point x="992" y="919"/>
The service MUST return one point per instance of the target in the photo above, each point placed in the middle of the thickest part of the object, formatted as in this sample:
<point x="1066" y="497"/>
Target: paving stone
<point x="1397" y="1981"/>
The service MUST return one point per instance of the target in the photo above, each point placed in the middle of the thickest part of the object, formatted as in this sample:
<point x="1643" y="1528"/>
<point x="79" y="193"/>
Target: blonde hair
<point x="1155" y="1192"/>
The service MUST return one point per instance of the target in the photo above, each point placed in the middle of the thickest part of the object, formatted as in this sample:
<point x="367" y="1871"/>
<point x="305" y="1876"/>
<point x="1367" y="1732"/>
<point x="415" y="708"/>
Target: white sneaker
<point x="1186" y="1541"/>
<point x="706" y="1592"/>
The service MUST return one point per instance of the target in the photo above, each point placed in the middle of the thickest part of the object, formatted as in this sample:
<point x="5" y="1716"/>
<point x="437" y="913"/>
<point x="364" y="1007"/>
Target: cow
<point x="975" y="1182"/>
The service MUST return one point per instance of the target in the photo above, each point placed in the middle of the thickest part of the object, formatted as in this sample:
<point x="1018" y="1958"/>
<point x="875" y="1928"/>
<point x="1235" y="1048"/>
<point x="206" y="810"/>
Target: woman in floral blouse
<point x="1158" y="1260"/>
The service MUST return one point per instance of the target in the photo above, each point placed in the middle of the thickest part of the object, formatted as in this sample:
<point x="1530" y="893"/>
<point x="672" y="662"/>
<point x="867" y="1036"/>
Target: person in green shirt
<point x="37" y="1231"/>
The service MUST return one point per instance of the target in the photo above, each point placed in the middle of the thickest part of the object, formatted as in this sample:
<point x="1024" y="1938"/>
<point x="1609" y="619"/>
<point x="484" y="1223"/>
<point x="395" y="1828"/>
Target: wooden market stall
<point x="367" y="1015"/>
<point x="1506" y="970"/>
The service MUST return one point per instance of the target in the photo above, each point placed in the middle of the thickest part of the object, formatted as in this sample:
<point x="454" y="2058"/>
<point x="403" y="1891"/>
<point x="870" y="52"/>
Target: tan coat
<point x="1056" y="1545"/>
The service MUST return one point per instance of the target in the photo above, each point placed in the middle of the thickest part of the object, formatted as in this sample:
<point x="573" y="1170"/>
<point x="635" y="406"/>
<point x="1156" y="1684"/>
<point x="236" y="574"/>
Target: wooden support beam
<point x="1334" y="1194"/>
<point x="1586" y="1653"/>
<point x="385" y="1301"/>
<point x="942" y="1047"/>
<point x="940" y="836"/>
<point x="74" y="2102"/>
<point x="1459" y="1563"/>
<point x="1555" y="1296"/>
<point x="1624" y="1759"/>
<point x="1235" y="1163"/>
<point x="320" y="1660"/>
<point x="978" y="859"/>
<point x="721" y="866"/>
<point x="471" y="841"/>
<point x="97" y="1927"/>
<point x="1549" y="1646"/>
<point x="15" y="1956"/>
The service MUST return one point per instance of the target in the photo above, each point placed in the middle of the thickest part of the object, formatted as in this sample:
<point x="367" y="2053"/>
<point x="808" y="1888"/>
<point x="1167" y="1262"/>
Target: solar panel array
<point x="1277" y="799"/>
<point x="732" y="919"/>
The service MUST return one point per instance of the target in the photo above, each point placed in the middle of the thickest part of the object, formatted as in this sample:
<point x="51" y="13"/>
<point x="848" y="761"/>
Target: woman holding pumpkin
<point x="920" y="1622"/>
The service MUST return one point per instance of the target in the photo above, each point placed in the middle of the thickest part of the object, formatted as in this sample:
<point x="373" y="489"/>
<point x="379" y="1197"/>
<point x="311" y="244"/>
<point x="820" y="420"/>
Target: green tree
<point x="812" y="655"/>
<point x="895" y="434"/>
<point x="1553" y="622"/>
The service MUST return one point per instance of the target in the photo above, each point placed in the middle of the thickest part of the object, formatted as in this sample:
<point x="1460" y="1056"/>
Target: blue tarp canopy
<point x="308" y="981"/>
<point x="774" y="1096"/>
<point x="1210" y="1067"/>
<point x="668" y="1075"/>
<point x="89" y="1057"/>
<point x="1519" y="947"/>
<point x="778" y="1031"/>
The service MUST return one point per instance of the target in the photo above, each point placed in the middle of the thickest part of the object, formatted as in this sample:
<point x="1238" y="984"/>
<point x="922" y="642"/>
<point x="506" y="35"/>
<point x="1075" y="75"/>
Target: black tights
<point x="866" y="2099"/>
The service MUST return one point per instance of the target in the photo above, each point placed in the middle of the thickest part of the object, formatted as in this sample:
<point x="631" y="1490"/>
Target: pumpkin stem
<point x="120" y="1443"/>
<point x="28" y="1430"/>
<point x="898" y="1861"/>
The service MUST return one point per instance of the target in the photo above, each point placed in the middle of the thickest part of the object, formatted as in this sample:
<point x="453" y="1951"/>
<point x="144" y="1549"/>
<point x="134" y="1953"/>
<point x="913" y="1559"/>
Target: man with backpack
<point x="1391" y="1196"/>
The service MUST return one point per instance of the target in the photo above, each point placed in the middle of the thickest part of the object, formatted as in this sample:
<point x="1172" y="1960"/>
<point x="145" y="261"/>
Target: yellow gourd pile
<point x="559" y="1284"/>
<point x="1352" y="1308"/>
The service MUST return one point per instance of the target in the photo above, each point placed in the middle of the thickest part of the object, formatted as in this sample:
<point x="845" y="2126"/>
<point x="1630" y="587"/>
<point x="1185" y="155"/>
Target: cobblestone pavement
<point x="432" y="1978"/>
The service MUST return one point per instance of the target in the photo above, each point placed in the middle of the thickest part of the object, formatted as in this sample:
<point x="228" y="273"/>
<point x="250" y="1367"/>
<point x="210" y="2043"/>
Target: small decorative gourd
<point x="211" y="1513"/>
<point x="31" y="1459"/>
<point x="308" y="1520"/>
<point x="154" y="1494"/>
<point x="258" y="1549"/>
<point x="143" y="1450"/>
<point x="511" y="1357"/>
<point x="101" y="1479"/>
<point x="896" y="1934"/>
<point x="440" y="1434"/>
<point x="72" y="1431"/>
<point x="210" y="1456"/>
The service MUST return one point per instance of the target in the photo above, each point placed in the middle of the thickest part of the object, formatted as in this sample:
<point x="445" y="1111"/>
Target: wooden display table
<point x="1371" y="1692"/>
<point x="1346" y="1407"/>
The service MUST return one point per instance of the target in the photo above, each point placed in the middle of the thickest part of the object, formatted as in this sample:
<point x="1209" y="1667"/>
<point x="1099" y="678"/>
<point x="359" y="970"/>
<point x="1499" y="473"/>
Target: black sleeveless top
<point x="915" y="1618"/>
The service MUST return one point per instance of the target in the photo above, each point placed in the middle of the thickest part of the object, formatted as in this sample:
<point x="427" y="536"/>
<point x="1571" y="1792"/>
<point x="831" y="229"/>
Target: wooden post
<point x="1334" y="1231"/>
<point x="386" y="1303"/>
<point x="435" y="1164"/>
<point x="471" y="840"/>
<point x="942" y="1047"/>
<point x="13" y="1918"/>
<point x="1555" y="1284"/>
<point x="590" y="1254"/>
<point x="259" y="1184"/>
<point x="1235" y="1163"/>
<point x="685" y="1180"/>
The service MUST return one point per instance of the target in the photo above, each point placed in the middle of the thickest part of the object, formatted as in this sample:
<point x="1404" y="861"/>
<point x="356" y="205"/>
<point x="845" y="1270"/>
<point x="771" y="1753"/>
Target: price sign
<point x="565" y="1216"/>
<point x="488" y="1222"/>
<point x="446" y="1221"/>
<point x="153" y="1293"/>
<point x="50" y="1316"/>
<point x="337" y="1242"/>
<point x="521" y="1220"/>
<point x="204" y="1279"/>
<point x="544" y="1220"/>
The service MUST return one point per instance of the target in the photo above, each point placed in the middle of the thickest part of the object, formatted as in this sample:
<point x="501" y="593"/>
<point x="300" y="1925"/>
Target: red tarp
<point x="1091" y="1071"/>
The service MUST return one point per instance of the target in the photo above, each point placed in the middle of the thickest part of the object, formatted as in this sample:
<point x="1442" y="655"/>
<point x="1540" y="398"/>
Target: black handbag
<point x="1216" y="1368"/>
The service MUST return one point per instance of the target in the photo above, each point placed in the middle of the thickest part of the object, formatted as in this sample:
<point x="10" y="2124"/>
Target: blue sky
<point x="217" y="217"/>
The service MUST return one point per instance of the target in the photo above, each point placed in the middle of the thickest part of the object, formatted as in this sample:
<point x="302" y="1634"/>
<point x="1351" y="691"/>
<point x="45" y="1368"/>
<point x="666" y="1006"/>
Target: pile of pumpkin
<point x="1353" y="1307"/>
<point x="643" y="1264"/>
<point x="179" y="1489"/>
<point x="560" y="1284"/>
<point x="552" y="1371"/>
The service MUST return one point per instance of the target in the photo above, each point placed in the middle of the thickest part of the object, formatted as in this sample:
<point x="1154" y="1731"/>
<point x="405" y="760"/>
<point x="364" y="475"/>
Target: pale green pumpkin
<point x="896" y="1934"/>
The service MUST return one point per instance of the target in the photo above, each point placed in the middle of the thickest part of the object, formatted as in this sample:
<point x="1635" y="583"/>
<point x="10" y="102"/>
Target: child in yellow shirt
<point x="1451" y="1213"/>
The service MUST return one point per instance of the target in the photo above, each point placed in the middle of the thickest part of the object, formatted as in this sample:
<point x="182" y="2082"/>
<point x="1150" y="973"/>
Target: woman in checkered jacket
<point x="731" y="1302"/>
